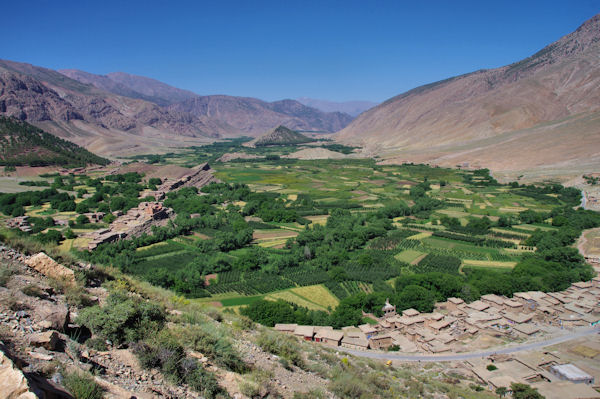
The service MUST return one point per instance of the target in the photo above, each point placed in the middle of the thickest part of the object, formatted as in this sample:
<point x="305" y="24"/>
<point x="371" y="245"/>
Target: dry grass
<point x="489" y="263"/>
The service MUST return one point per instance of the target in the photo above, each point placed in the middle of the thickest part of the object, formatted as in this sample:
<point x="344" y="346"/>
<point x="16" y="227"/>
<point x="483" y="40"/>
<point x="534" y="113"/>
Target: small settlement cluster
<point x="454" y="321"/>
<point x="135" y="221"/>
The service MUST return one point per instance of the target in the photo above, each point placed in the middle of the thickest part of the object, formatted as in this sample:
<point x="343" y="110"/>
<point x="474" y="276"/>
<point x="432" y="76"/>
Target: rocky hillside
<point x="102" y="122"/>
<point x="541" y="112"/>
<point x="281" y="135"/>
<point x="23" y="144"/>
<point x="133" y="86"/>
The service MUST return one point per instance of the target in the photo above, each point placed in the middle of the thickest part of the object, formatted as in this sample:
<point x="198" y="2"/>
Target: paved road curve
<point x="472" y="355"/>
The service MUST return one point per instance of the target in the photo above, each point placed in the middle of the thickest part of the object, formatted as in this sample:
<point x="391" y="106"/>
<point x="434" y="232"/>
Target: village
<point x="455" y="324"/>
<point x="458" y="327"/>
<point x="136" y="221"/>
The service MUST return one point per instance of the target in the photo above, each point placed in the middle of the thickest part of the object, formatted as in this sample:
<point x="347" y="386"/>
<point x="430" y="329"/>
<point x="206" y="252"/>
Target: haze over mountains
<point x="121" y="114"/>
<point x="352" y="108"/>
<point x="541" y="112"/>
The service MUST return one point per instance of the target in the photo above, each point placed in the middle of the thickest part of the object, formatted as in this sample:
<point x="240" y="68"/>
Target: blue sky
<point x="335" y="50"/>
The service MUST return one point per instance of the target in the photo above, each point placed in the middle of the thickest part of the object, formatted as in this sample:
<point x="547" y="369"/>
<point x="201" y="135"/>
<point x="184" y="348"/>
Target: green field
<point x="409" y="255"/>
<point x="313" y="233"/>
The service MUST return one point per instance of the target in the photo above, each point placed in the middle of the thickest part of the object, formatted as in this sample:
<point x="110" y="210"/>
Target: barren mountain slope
<point x="232" y="116"/>
<point x="537" y="112"/>
<point x="133" y="86"/>
<point x="253" y="117"/>
<point x="83" y="113"/>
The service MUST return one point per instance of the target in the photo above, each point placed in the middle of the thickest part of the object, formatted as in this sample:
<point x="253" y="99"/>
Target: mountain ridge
<point x="435" y="122"/>
<point x="133" y="86"/>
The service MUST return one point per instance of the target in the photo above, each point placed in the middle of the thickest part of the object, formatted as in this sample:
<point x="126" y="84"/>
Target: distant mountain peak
<point x="280" y="135"/>
<point x="352" y="108"/>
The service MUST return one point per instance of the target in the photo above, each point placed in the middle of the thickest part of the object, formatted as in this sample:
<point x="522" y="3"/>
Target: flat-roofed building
<point x="305" y="332"/>
<point x="478" y="305"/>
<point x="330" y="337"/>
<point x="319" y="332"/>
<point x="440" y="325"/>
<point x="432" y="318"/>
<point x="513" y="306"/>
<point x="381" y="341"/>
<point x="285" y="328"/>
<point x="550" y="301"/>
<point x="367" y="329"/>
<point x="493" y="300"/>
<point x="591" y="319"/>
<point x="452" y="304"/>
<point x="571" y="373"/>
<point x="410" y="312"/>
<point x="558" y="296"/>
<point x="582" y="285"/>
<point x="518" y="318"/>
<point x="355" y="343"/>
<point x="576" y="308"/>
<point x="568" y="319"/>
<point x="436" y="346"/>
<point x="526" y="329"/>
<point x="405" y="322"/>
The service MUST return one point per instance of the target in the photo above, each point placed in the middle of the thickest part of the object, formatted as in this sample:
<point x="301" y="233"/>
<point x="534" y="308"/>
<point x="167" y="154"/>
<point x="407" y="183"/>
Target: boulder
<point x="47" y="339"/>
<point x="52" y="316"/>
<point x="50" y="268"/>
<point x="13" y="383"/>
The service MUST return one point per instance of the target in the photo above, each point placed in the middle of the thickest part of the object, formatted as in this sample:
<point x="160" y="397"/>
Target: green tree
<point x="109" y="218"/>
<point x="414" y="296"/>
<point x="524" y="391"/>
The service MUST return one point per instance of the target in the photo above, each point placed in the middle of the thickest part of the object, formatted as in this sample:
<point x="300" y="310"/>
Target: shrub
<point x="33" y="290"/>
<point x="51" y="237"/>
<point x="314" y="394"/>
<point x="96" y="343"/>
<point x="82" y="386"/>
<point x="281" y="345"/>
<point x="213" y="344"/>
<point x="491" y="367"/>
<point x="165" y="353"/>
<point x="123" y="319"/>
<point x="6" y="271"/>
<point x="476" y="387"/>
<point x="346" y="386"/>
